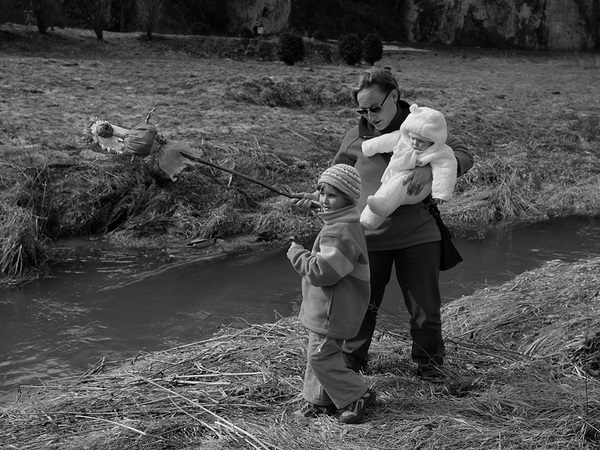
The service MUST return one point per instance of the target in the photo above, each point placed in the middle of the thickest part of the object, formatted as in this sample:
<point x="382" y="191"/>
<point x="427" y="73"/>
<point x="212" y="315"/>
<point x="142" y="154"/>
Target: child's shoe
<point x="311" y="410"/>
<point x="355" y="410"/>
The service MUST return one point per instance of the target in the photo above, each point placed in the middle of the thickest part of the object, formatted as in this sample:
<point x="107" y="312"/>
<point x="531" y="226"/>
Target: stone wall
<point x="273" y="14"/>
<point x="530" y="24"/>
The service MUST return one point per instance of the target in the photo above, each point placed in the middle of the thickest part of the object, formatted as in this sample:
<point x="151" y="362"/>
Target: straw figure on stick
<point x="144" y="140"/>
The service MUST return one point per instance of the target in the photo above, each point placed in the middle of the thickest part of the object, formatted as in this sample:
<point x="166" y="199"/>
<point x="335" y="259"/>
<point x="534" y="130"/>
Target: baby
<point x="421" y="140"/>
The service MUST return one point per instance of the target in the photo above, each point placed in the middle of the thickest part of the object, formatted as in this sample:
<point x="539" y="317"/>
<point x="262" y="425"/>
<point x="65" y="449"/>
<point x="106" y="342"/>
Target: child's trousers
<point x="327" y="380"/>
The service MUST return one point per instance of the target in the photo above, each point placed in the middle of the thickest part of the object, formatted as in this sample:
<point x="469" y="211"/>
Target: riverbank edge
<point x="521" y="371"/>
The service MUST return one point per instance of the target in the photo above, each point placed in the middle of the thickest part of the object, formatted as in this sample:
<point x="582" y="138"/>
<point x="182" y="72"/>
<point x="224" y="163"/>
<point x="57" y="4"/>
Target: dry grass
<point x="22" y="254"/>
<point x="522" y="366"/>
<point x="528" y="118"/>
<point x="522" y="358"/>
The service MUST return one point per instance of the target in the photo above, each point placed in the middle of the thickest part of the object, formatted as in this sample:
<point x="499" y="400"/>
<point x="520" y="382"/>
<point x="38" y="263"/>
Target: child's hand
<point x="438" y="201"/>
<point x="294" y="245"/>
<point x="305" y="200"/>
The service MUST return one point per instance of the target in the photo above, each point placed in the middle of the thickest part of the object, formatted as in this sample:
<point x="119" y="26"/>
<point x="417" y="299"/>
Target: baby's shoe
<point x="377" y="205"/>
<point x="370" y="221"/>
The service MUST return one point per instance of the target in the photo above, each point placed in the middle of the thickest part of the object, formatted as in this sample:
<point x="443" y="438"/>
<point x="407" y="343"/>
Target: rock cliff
<point x="529" y="24"/>
<point x="273" y="14"/>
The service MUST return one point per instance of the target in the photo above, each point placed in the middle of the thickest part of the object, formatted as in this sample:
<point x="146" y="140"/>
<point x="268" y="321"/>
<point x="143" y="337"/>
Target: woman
<point x="408" y="239"/>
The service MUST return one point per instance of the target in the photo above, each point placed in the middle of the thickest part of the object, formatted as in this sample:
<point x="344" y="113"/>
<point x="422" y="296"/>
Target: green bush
<point x="291" y="48"/>
<point x="372" y="48"/>
<point x="350" y="48"/>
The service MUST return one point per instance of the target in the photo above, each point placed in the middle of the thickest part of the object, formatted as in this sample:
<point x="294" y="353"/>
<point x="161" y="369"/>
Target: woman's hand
<point x="418" y="178"/>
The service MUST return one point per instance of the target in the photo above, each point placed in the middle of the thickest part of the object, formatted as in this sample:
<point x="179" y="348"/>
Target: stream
<point x="104" y="300"/>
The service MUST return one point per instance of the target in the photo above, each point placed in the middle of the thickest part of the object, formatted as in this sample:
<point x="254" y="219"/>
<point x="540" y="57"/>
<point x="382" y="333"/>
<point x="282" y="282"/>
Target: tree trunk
<point x="94" y="12"/>
<point x="40" y="12"/>
<point x="123" y="17"/>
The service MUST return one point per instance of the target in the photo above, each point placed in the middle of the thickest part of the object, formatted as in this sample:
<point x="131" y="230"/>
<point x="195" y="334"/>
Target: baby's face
<point x="418" y="143"/>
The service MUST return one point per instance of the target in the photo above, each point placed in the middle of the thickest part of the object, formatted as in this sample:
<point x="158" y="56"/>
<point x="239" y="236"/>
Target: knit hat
<point x="427" y="123"/>
<point x="343" y="177"/>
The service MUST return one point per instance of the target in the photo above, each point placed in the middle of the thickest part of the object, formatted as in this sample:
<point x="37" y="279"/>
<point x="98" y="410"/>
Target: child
<point x="421" y="140"/>
<point x="335" y="296"/>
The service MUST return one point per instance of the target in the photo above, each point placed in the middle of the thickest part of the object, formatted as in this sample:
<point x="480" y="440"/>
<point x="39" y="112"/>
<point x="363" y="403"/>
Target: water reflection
<point x="105" y="301"/>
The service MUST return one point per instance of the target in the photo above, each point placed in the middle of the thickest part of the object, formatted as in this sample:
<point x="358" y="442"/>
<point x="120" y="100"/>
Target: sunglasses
<point x="373" y="109"/>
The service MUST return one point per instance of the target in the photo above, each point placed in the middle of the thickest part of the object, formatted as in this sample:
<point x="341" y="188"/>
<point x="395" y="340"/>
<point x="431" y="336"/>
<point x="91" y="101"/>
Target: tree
<point x="94" y="13"/>
<point x="149" y="13"/>
<point x="40" y="12"/>
<point x="47" y="13"/>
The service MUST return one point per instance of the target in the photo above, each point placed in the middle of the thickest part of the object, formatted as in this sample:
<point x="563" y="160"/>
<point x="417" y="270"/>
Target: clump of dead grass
<point x="280" y="220"/>
<point x="519" y="365"/>
<point x="23" y="251"/>
<point x="301" y="91"/>
<point x="559" y="317"/>
<point x="526" y="182"/>
<point x="215" y="203"/>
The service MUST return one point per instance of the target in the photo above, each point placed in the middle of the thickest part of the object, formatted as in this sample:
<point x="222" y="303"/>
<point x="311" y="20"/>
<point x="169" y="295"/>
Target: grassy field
<point x="522" y="357"/>
<point x="531" y="120"/>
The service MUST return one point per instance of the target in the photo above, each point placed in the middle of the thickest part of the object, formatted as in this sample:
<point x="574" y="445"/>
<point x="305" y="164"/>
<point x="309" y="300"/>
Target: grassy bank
<point x="522" y="365"/>
<point x="530" y="119"/>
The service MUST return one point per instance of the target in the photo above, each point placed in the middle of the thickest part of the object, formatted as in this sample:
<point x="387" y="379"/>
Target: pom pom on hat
<point x="427" y="123"/>
<point x="344" y="178"/>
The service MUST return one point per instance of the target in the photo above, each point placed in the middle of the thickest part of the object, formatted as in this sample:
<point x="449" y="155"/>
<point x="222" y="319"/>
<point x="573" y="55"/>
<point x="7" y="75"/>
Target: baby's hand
<point x="438" y="201"/>
<point x="368" y="149"/>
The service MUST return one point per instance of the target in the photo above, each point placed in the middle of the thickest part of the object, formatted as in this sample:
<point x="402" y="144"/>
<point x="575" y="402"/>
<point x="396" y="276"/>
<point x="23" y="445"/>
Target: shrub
<point x="321" y="51"/>
<point x="350" y="48"/>
<point x="372" y="48"/>
<point x="291" y="48"/>
<point x="319" y="35"/>
<point x="246" y="33"/>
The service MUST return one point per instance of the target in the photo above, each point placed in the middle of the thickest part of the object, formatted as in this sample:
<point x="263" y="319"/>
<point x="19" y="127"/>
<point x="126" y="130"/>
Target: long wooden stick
<point x="246" y="177"/>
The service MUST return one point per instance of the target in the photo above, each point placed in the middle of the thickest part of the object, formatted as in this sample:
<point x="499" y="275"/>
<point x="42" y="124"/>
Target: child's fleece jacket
<point x="335" y="275"/>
